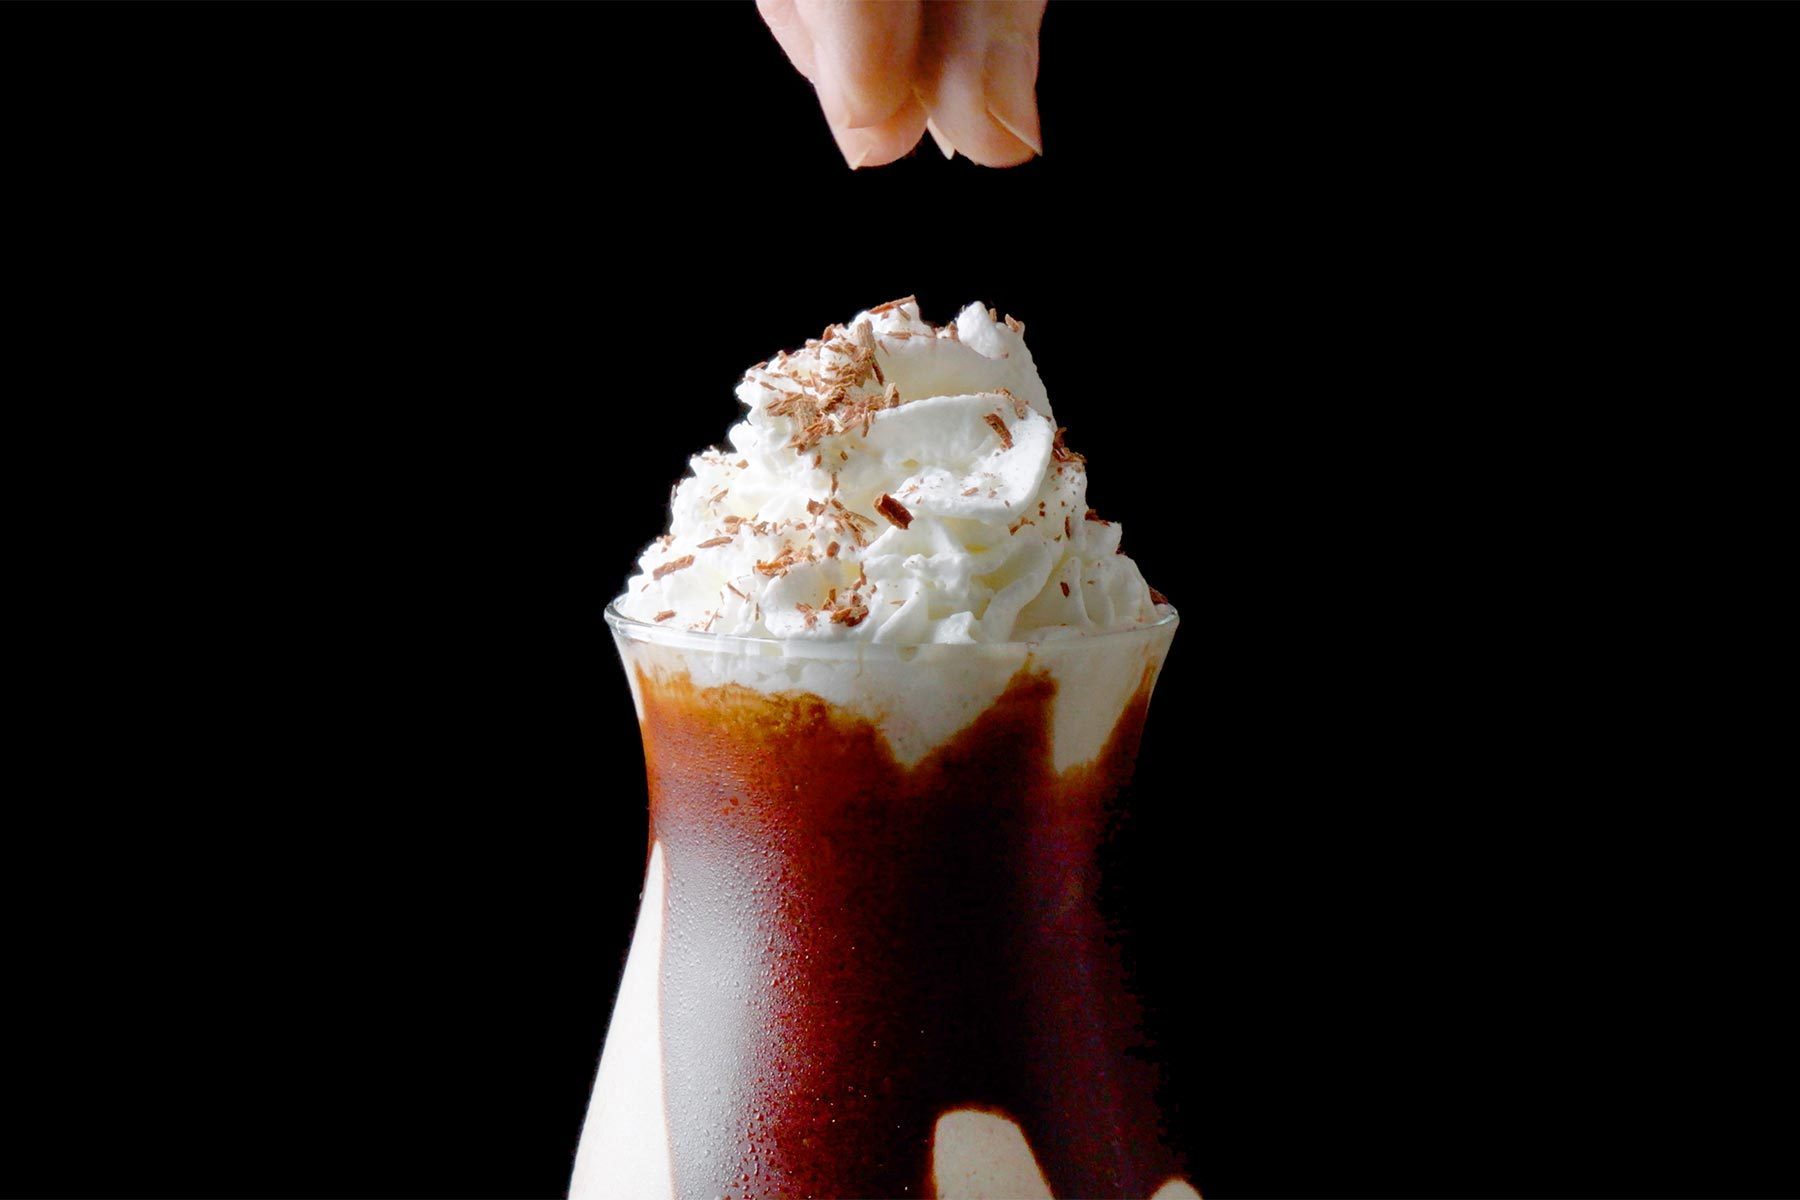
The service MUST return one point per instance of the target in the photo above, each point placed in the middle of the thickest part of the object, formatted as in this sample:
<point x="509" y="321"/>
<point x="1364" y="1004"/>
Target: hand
<point x="888" y="71"/>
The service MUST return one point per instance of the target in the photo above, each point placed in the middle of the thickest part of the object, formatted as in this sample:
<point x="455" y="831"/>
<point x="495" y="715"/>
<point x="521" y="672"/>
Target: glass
<point x="873" y="956"/>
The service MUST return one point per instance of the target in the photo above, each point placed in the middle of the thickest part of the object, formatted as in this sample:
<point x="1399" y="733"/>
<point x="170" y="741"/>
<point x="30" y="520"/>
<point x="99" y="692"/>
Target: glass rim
<point x="649" y="631"/>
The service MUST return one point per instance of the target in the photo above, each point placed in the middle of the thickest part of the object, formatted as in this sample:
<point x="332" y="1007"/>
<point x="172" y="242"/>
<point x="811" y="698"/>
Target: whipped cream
<point x="892" y="482"/>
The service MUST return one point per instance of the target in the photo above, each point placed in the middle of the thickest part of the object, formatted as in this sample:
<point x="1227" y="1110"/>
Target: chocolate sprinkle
<point x="893" y="510"/>
<point x="852" y="614"/>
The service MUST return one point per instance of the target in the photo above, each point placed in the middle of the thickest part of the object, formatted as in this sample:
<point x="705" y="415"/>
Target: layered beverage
<point x="891" y="674"/>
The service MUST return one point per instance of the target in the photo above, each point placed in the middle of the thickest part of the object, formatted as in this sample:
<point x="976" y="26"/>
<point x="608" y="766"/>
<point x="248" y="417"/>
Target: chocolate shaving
<point x="1157" y="597"/>
<point x="743" y="464"/>
<point x="815" y="507"/>
<point x="709" y="543"/>
<point x="665" y="614"/>
<point x="1018" y="404"/>
<point x="893" y="510"/>
<point x="779" y="564"/>
<point x="673" y="565"/>
<point x="735" y="592"/>
<point x="1065" y="587"/>
<point x="831" y="550"/>
<point x="853" y="523"/>
<point x="717" y="496"/>
<point x="797" y="405"/>
<point x="806" y="610"/>
<point x="1016" y="325"/>
<point x="864" y="361"/>
<point x="1068" y="530"/>
<point x="892" y="304"/>
<point x="852" y="614"/>
<point x="970" y="491"/>
<point x="998" y="424"/>
<point x="1060" y="452"/>
<point x="1096" y="518"/>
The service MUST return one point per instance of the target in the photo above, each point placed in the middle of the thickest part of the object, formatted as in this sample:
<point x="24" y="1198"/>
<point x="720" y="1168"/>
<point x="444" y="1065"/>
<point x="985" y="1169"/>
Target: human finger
<point x="978" y="77"/>
<point x="864" y="52"/>
<point x="783" y="19"/>
<point x="878" y="144"/>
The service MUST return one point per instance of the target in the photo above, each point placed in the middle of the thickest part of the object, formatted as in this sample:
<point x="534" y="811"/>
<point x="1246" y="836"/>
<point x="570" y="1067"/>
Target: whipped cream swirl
<point x="894" y="482"/>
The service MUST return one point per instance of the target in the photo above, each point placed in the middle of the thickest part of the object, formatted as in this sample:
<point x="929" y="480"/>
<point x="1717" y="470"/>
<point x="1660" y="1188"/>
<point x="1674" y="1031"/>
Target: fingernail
<point x="1010" y="83"/>
<point x="937" y="135"/>
<point x="832" y="102"/>
<point x="854" y="145"/>
<point x="844" y="108"/>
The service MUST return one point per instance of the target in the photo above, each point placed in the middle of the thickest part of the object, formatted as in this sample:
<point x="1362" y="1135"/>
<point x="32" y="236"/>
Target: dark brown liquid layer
<point x="853" y="948"/>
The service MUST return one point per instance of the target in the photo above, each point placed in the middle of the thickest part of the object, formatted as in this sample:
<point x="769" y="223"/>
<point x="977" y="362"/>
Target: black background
<point x="395" y="324"/>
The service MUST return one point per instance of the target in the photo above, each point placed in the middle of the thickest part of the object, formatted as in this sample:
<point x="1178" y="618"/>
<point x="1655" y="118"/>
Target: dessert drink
<point x="891" y="674"/>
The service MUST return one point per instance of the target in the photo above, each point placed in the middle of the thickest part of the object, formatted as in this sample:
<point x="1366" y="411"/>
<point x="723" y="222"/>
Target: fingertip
<point x="962" y="117"/>
<point x="1009" y="85"/>
<point x="979" y="79"/>
<point x="881" y="144"/>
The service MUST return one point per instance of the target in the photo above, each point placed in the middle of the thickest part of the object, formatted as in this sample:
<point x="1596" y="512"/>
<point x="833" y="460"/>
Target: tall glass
<point x="873" y="957"/>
